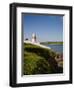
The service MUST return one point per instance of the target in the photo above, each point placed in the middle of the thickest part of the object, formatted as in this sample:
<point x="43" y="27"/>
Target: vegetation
<point x="52" y="43"/>
<point x="39" y="60"/>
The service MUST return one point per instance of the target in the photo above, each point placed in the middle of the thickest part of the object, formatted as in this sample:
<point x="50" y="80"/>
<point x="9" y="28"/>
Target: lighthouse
<point x="34" y="38"/>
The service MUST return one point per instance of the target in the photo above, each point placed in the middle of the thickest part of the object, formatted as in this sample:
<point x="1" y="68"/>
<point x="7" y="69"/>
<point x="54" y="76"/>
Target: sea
<point x="55" y="47"/>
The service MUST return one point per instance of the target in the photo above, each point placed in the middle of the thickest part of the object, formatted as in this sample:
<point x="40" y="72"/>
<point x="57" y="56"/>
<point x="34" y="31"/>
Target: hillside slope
<point x="38" y="60"/>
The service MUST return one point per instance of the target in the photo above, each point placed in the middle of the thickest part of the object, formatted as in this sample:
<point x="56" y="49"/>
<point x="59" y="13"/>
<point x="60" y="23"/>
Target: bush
<point x="46" y="53"/>
<point x="39" y="60"/>
<point x="34" y="64"/>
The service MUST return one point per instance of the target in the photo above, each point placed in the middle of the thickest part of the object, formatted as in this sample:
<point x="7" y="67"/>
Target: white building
<point x="34" y="39"/>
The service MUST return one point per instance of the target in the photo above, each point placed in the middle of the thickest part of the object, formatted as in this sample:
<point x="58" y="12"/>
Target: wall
<point x="4" y="43"/>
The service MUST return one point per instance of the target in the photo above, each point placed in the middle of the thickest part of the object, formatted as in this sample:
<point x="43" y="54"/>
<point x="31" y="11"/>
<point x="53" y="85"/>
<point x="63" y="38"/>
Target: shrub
<point x="39" y="60"/>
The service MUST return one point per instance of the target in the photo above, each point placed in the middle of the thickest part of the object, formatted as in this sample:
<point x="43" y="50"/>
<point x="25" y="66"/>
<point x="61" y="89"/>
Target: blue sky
<point x="46" y="27"/>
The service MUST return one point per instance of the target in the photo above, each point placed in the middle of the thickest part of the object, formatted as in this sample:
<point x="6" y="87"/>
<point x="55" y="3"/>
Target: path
<point x="38" y="44"/>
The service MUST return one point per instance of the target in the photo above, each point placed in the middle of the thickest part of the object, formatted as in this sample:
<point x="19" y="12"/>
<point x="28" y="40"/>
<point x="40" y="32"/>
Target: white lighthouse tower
<point x="34" y="38"/>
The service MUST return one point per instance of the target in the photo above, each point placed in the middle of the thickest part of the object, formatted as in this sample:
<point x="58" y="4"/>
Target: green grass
<point x="38" y="60"/>
<point x="52" y="43"/>
<point x="34" y="64"/>
<point x="46" y="53"/>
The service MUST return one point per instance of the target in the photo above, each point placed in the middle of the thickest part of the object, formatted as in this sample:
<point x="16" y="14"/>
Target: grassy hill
<point x="39" y="60"/>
